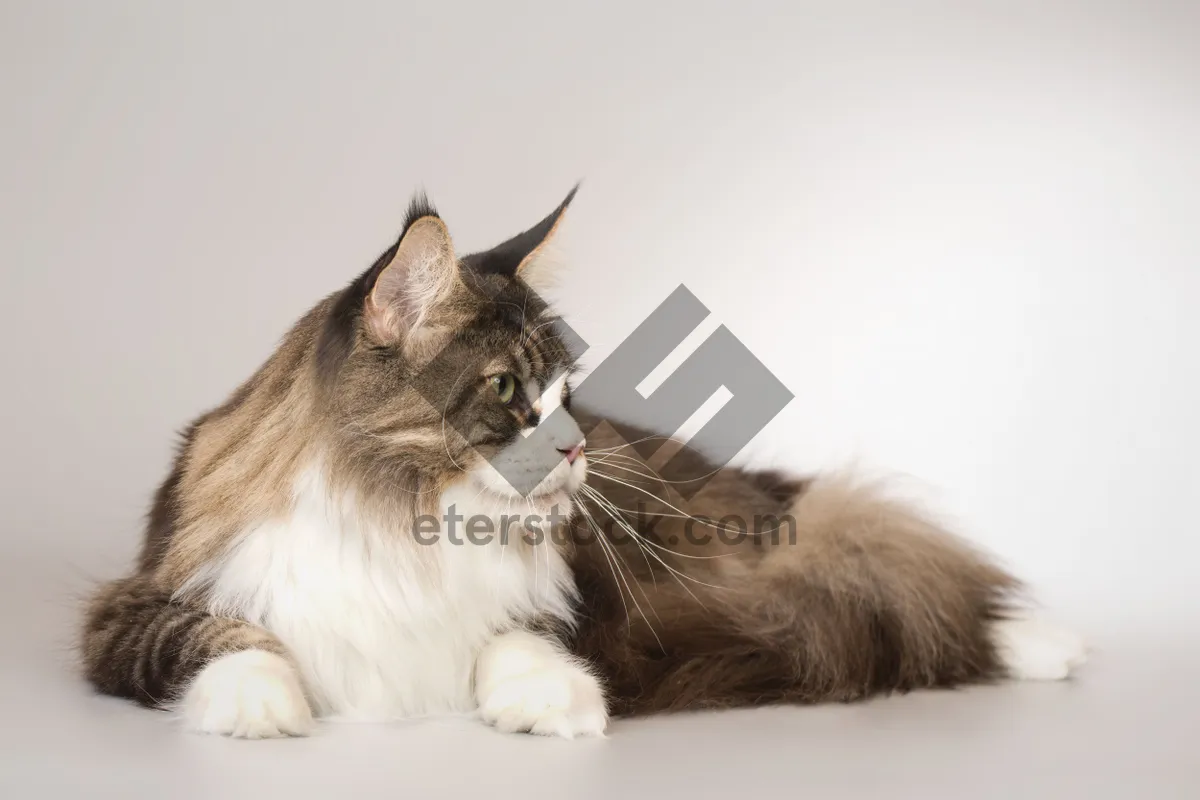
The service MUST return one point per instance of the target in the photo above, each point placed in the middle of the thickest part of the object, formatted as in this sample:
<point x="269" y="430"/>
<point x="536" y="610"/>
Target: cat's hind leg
<point x="222" y="675"/>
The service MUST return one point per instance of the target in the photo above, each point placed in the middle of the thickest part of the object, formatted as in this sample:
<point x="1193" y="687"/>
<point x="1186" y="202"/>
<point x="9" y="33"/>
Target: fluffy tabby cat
<point x="292" y="565"/>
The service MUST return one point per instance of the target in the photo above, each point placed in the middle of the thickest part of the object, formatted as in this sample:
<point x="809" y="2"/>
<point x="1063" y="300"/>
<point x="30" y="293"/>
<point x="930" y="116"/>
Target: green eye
<point x="505" y="385"/>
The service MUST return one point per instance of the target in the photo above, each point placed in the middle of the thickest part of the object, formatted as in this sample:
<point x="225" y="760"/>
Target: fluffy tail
<point x="867" y="597"/>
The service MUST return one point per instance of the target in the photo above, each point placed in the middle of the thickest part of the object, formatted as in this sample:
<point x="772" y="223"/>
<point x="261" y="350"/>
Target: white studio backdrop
<point x="964" y="235"/>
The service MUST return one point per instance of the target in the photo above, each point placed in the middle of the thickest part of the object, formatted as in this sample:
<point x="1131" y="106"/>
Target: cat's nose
<point x="572" y="453"/>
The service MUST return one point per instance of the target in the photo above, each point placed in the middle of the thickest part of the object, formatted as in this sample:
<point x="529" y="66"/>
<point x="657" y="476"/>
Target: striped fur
<point x="143" y="646"/>
<point x="375" y="409"/>
<point x="283" y="572"/>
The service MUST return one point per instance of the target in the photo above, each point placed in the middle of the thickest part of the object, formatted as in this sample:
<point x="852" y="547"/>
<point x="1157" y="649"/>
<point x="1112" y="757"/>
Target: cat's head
<point x="443" y="372"/>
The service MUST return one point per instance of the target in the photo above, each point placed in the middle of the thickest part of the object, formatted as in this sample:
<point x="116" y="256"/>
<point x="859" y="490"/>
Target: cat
<point x="301" y="559"/>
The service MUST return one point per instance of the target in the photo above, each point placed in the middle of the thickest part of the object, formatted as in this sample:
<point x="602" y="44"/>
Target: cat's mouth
<point x="558" y="487"/>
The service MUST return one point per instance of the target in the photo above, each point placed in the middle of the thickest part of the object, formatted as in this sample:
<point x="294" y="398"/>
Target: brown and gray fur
<point x="838" y="592"/>
<point x="860" y="595"/>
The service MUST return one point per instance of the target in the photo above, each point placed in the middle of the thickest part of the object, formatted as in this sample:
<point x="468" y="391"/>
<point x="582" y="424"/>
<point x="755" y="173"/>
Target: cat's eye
<point x="505" y="385"/>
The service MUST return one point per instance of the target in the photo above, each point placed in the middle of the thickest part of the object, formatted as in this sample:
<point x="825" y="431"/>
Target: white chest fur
<point x="383" y="627"/>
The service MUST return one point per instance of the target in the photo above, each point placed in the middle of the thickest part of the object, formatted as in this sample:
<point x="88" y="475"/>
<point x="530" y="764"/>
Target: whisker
<point x="611" y="506"/>
<point x="638" y="441"/>
<point x="652" y="474"/>
<point x="682" y="514"/>
<point x="612" y="567"/>
<point x="596" y="498"/>
<point x="639" y="539"/>
<point x="608" y="547"/>
<point x="646" y="492"/>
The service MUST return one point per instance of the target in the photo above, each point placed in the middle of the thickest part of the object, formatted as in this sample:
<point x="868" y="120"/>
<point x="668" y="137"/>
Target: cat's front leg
<point x="526" y="683"/>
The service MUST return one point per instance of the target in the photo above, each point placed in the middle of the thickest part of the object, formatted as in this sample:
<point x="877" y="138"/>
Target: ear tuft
<point x="419" y="206"/>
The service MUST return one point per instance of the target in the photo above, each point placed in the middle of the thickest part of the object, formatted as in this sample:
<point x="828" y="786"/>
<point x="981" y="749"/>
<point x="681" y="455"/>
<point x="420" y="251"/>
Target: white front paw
<point x="251" y="694"/>
<point x="1035" y="650"/>
<point x="524" y="684"/>
<point x="558" y="700"/>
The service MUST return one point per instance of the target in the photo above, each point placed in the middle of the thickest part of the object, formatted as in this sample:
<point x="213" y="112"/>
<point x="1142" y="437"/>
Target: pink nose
<point x="573" y="453"/>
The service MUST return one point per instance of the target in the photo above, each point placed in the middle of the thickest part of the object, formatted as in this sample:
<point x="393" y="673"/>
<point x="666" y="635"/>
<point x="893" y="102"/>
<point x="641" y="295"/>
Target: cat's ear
<point x="528" y="254"/>
<point x="421" y="273"/>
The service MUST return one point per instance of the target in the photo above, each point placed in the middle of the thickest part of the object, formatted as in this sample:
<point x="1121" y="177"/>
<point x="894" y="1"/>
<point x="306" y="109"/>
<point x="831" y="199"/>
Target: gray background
<point x="964" y="234"/>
